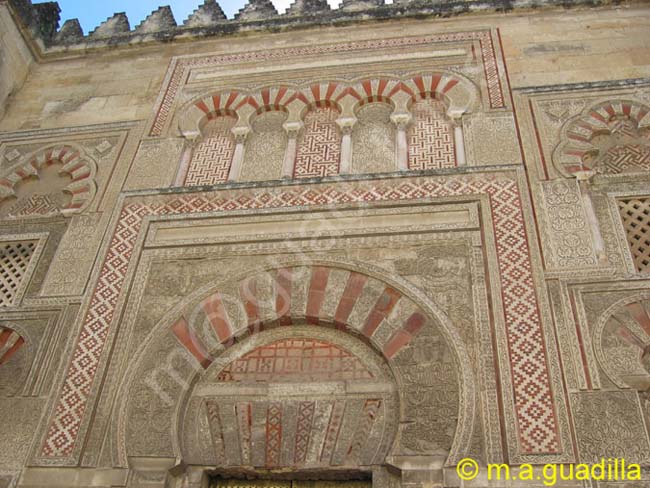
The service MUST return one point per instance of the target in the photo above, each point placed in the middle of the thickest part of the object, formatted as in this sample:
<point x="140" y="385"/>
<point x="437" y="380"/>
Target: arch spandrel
<point x="395" y="329"/>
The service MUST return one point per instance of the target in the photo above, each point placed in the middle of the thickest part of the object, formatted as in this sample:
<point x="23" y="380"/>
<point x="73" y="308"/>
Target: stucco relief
<point x="610" y="137"/>
<point x="500" y="130"/>
<point x="610" y="425"/>
<point x="265" y="147"/>
<point x="373" y="140"/>
<point x="571" y="242"/>
<point x="55" y="180"/>
<point x="77" y="250"/>
<point x="207" y="417"/>
<point x="151" y="166"/>
<point x="622" y="342"/>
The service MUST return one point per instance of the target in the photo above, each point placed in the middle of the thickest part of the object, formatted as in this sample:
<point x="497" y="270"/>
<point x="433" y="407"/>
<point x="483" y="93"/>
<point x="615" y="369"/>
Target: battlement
<point x="208" y="20"/>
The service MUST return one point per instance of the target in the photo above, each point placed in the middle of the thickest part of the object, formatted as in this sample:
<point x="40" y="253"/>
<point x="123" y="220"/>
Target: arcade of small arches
<point x="372" y="126"/>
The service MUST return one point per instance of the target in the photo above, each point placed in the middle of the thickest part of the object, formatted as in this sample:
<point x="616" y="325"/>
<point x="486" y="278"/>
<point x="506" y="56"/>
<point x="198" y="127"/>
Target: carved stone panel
<point x="491" y="139"/>
<point x="373" y="140"/>
<point x="610" y="424"/>
<point x="17" y="435"/>
<point x="155" y="164"/>
<point x="75" y="255"/>
<point x="569" y="243"/>
<point x="265" y="148"/>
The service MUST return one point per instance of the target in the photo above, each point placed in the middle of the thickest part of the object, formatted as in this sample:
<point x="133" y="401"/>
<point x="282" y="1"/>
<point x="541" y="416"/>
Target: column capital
<point x="191" y="138"/>
<point x="346" y="124"/>
<point x="456" y="117"/>
<point x="240" y="133"/>
<point x="293" y="128"/>
<point x="401" y="119"/>
<point x="584" y="175"/>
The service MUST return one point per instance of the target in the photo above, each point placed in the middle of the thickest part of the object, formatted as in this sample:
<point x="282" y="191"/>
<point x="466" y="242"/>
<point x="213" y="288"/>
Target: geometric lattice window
<point x="14" y="260"/>
<point x="430" y="137"/>
<point x="635" y="213"/>
<point x="212" y="156"/>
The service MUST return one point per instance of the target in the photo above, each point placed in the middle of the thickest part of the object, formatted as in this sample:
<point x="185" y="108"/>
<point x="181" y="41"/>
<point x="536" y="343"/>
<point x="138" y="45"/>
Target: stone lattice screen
<point x="635" y="213"/>
<point x="14" y="260"/>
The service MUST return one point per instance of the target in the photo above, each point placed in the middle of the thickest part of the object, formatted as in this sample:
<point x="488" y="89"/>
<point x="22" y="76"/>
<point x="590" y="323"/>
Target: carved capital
<point x="401" y="120"/>
<point x="584" y="175"/>
<point x="293" y="129"/>
<point x="191" y="138"/>
<point x="240" y="133"/>
<point x="456" y="117"/>
<point x="346" y="124"/>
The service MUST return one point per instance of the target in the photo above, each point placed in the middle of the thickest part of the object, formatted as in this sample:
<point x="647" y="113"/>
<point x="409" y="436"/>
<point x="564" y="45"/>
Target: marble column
<point x="240" y="134"/>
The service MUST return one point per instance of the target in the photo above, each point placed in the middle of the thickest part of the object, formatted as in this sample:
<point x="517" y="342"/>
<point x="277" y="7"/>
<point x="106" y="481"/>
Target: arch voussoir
<point x="316" y="295"/>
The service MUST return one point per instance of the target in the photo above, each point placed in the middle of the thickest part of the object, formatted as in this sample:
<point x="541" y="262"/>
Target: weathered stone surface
<point x="70" y="32"/>
<point x="354" y="5"/>
<point x="304" y="7"/>
<point x="621" y="437"/>
<point x="206" y="15"/>
<point x="158" y="20"/>
<point x="150" y="168"/>
<point x="497" y="128"/>
<point x="257" y="10"/>
<point x="14" y="444"/>
<point x="117" y="24"/>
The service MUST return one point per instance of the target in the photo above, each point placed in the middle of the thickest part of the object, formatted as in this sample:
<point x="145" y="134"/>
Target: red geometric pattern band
<point x="534" y="408"/>
<point x="179" y="68"/>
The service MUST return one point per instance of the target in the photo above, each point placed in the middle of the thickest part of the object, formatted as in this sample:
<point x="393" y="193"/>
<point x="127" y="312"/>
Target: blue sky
<point x="92" y="12"/>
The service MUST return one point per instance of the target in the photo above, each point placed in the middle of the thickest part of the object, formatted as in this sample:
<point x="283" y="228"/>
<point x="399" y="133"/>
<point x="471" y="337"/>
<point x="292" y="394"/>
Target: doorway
<point x="243" y="483"/>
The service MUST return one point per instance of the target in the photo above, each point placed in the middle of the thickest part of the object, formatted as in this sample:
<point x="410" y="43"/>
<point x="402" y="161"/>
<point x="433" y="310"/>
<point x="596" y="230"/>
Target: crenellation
<point x="206" y="15"/>
<point x="256" y="10"/>
<point x="307" y="7"/>
<point x="159" y="20"/>
<point x="70" y="32"/>
<point x="209" y="20"/>
<point x="117" y="24"/>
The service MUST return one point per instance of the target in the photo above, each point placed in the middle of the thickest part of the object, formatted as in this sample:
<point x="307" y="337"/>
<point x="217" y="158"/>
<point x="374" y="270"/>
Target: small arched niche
<point x="265" y="147"/>
<point x="212" y="155"/>
<point x="431" y="136"/>
<point x="319" y="144"/>
<point x="373" y="139"/>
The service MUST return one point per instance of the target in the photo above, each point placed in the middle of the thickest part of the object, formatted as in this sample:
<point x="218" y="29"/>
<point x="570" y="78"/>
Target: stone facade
<point x="316" y="248"/>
